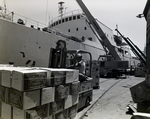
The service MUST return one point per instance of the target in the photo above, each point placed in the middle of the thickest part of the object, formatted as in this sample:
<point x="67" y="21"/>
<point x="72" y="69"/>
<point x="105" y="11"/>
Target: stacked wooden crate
<point x="94" y="72"/>
<point x="38" y="93"/>
<point x="140" y="71"/>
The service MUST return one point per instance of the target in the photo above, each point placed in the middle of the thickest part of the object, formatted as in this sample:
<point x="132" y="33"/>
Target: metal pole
<point x="148" y="49"/>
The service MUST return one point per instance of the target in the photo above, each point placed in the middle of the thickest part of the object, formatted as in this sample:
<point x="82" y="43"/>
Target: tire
<point x="87" y="102"/>
<point x="108" y="75"/>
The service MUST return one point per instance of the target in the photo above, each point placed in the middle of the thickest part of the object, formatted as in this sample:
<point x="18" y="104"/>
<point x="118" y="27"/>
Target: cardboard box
<point x="18" y="113"/>
<point x="63" y="76"/>
<point x="72" y="75"/>
<point x="3" y="94"/>
<point x="29" y="79"/>
<point x="5" y="78"/>
<point x="5" y="111"/>
<point x="68" y="102"/>
<point x="61" y="91"/>
<point x="40" y="112"/>
<point x="71" y="100"/>
<point x="56" y="76"/>
<point x="5" y="65"/>
<point x="62" y="115"/>
<point x="24" y="100"/>
<point x="72" y="112"/>
<point x="56" y="107"/>
<point x="75" y="99"/>
<point x="6" y="74"/>
<point x="47" y="95"/>
<point x="74" y="88"/>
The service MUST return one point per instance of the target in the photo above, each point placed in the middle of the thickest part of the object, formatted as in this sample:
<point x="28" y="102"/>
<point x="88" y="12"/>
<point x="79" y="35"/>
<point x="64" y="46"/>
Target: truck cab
<point x="110" y="67"/>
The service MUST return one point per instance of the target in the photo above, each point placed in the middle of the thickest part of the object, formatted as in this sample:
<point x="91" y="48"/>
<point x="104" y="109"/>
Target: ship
<point x="26" y="42"/>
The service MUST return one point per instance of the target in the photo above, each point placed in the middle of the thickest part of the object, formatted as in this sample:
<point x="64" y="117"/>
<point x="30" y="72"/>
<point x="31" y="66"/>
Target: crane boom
<point x="135" y="49"/>
<point x="99" y="31"/>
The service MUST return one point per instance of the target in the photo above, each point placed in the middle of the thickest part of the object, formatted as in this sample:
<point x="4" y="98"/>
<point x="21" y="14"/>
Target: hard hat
<point x="79" y="55"/>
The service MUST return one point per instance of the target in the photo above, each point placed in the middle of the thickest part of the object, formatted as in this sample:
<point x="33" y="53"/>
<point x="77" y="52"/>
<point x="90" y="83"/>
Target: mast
<point x="61" y="8"/>
<point x="4" y="6"/>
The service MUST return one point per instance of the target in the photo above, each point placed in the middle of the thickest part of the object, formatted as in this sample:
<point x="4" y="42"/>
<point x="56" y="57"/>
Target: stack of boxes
<point x="38" y="93"/>
<point x="140" y="71"/>
<point x="94" y="72"/>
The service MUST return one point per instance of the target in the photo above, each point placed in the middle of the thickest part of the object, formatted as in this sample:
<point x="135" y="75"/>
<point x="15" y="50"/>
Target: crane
<point x="134" y="48"/>
<point x="99" y="31"/>
<point x="113" y="65"/>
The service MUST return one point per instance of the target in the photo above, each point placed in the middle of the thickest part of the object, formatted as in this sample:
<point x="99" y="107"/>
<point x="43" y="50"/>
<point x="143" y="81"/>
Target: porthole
<point x="63" y="20"/>
<point x="78" y="16"/>
<point x="70" y="18"/>
<point x="66" y="19"/>
<point x="74" y="17"/>
<point x="90" y="38"/>
<point x="59" y="21"/>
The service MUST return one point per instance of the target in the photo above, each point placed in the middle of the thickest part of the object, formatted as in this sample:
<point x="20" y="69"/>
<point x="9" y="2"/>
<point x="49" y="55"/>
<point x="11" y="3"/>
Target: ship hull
<point x="20" y="44"/>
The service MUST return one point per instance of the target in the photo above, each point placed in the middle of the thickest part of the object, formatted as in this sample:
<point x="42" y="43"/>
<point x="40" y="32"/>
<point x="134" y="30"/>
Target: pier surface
<point x="111" y="99"/>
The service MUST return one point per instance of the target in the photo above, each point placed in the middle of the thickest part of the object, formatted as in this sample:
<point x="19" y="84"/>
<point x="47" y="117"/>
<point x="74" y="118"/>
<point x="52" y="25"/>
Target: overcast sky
<point x="110" y="12"/>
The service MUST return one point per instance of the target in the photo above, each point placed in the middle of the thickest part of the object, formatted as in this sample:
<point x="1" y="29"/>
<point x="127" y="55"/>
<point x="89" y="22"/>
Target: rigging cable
<point x="46" y="11"/>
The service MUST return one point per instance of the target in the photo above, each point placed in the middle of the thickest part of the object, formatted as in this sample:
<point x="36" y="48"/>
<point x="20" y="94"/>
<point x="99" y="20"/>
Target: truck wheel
<point x="101" y="75"/>
<point x="87" y="102"/>
<point x="108" y="75"/>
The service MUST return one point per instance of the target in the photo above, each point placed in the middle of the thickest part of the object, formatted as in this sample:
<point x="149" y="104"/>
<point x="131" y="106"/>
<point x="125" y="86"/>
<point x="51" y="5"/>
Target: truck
<point x="116" y="60"/>
<point x="110" y="67"/>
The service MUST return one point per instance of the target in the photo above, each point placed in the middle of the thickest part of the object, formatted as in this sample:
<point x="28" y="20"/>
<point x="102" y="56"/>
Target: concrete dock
<point x="111" y="99"/>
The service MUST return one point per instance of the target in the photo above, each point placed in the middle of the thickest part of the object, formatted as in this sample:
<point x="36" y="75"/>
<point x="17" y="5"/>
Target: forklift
<point x="60" y="57"/>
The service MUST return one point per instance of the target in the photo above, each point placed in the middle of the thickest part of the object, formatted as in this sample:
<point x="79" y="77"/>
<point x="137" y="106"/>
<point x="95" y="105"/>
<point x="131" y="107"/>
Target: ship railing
<point x="66" y="14"/>
<point x="16" y="18"/>
<point x="28" y="22"/>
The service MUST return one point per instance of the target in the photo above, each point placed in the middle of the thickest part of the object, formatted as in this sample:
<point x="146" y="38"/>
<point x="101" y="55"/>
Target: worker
<point x="80" y="65"/>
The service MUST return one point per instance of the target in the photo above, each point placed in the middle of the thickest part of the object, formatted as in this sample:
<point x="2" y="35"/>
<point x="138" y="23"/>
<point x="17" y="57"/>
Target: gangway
<point x="62" y="34"/>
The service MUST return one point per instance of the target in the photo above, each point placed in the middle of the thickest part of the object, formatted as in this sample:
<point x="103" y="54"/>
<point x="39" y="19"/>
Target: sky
<point x="110" y="12"/>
